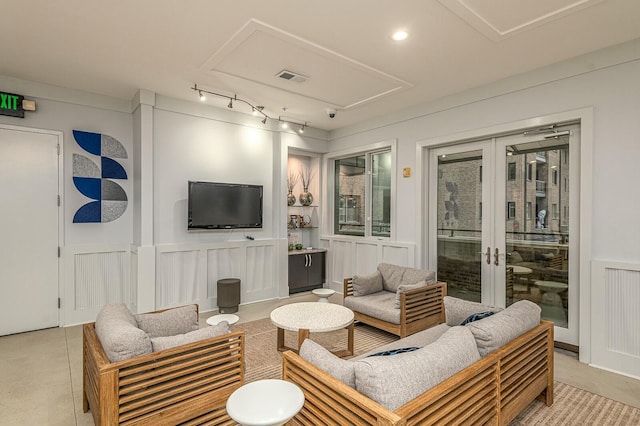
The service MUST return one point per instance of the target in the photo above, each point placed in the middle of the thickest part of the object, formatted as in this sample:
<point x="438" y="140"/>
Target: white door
<point x="500" y="211"/>
<point x="29" y="173"/>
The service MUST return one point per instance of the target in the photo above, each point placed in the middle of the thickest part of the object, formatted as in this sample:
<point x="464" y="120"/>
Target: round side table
<point x="217" y="319"/>
<point x="265" y="403"/>
<point x="323" y="294"/>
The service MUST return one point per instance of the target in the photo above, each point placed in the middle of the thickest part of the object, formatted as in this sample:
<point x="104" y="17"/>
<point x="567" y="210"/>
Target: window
<point x="363" y="190"/>
<point x="480" y="211"/>
<point x="527" y="210"/>
<point x="529" y="171"/>
<point x="480" y="173"/>
<point x="511" y="210"/>
<point x="511" y="172"/>
<point x="554" y="176"/>
<point x="554" y="211"/>
<point x="566" y="212"/>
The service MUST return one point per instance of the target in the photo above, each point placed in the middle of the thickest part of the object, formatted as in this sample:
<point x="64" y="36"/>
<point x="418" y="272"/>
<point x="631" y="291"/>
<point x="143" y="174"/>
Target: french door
<point x="500" y="213"/>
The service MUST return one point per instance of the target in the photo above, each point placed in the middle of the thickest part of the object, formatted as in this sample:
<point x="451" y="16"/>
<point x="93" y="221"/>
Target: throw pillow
<point x="498" y="330"/>
<point x="405" y="287"/>
<point x="391" y="276"/>
<point x="476" y="317"/>
<point x="393" y="381"/>
<point x="395" y="351"/>
<point x="166" y="342"/>
<point x="367" y="284"/>
<point x="119" y="337"/>
<point x="319" y="356"/>
<point x="170" y="322"/>
<point x="457" y="310"/>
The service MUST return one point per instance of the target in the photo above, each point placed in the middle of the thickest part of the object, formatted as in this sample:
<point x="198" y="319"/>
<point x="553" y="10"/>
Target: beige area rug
<point x="572" y="406"/>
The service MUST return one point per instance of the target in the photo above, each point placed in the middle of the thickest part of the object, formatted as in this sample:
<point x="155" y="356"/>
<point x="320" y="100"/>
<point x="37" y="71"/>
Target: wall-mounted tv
<point x="214" y="205"/>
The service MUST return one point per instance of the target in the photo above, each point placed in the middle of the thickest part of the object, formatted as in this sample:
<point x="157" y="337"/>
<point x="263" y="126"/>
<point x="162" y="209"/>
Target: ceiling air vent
<point x="292" y="76"/>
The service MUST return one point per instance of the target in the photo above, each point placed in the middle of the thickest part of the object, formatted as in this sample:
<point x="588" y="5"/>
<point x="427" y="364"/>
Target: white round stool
<point x="217" y="319"/>
<point x="323" y="294"/>
<point x="265" y="403"/>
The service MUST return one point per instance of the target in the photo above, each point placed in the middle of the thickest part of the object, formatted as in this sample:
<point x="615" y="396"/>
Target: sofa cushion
<point x="499" y="329"/>
<point x="457" y="310"/>
<point x="170" y="322"/>
<point x="379" y="305"/>
<point x="118" y="334"/>
<point x="405" y="287"/>
<point x="393" y="381"/>
<point x="161" y="343"/>
<point x="421" y="339"/>
<point x="367" y="284"/>
<point x="319" y="356"/>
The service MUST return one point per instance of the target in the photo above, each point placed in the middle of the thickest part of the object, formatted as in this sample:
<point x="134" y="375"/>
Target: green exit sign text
<point x="11" y="105"/>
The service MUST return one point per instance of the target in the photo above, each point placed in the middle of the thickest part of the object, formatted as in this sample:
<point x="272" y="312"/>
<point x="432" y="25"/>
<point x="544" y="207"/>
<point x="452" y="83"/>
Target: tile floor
<point x="41" y="372"/>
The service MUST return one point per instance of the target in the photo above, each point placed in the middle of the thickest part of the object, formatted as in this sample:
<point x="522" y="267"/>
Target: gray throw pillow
<point x="392" y="276"/>
<point x="497" y="330"/>
<point x="393" y="381"/>
<point x="118" y="334"/>
<point x="170" y="322"/>
<point x="367" y="284"/>
<point x="457" y="310"/>
<point x="319" y="356"/>
<point x="162" y="343"/>
<point x="405" y="287"/>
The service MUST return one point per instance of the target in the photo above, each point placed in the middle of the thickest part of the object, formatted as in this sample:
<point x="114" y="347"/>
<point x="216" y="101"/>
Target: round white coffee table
<point x="323" y="294"/>
<point x="217" y="319"/>
<point x="313" y="317"/>
<point x="265" y="403"/>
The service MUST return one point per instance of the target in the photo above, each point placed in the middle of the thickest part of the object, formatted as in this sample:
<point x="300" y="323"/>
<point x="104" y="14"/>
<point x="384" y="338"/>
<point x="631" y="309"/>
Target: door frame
<point x="584" y="116"/>
<point x="61" y="210"/>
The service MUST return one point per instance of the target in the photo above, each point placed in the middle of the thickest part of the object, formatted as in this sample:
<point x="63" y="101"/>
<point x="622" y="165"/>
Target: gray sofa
<point x="486" y="371"/>
<point x="397" y="299"/>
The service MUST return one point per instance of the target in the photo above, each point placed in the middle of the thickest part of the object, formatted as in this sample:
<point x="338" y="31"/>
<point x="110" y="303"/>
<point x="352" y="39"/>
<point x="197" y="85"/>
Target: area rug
<point x="572" y="406"/>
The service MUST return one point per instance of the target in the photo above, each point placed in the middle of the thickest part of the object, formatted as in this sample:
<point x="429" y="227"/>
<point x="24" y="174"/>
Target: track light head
<point x="264" y="120"/>
<point x="301" y="129"/>
<point x="230" y="103"/>
<point x="202" y="96"/>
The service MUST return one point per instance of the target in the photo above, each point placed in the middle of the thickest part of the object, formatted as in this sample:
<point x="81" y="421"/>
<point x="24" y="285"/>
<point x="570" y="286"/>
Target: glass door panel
<point x="461" y="251"/>
<point x="535" y="198"/>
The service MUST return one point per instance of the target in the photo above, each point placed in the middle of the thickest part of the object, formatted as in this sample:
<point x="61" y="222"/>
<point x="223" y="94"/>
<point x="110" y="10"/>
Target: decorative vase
<point x="291" y="199"/>
<point x="306" y="198"/>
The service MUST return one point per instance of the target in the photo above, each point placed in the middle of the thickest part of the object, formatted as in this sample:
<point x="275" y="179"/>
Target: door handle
<point x="497" y="257"/>
<point x="306" y="260"/>
<point x="488" y="254"/>
<point x="310" y="260"/>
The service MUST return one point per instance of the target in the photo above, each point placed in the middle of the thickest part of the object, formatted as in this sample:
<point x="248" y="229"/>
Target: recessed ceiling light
<point x="400" y="35"/>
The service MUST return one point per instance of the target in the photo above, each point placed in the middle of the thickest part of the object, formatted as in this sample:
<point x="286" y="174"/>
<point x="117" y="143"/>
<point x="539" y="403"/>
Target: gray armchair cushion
<point x="341" y="369"/>
<point x="170" y="322"/>
<point x="457" y="310"/>
<point x="393" y="381"/>
<point x="378" y="305"/>
<point x="166" y="342"/>
<point x="394" y="275"/>
<point x="367" y="284"/>
<point x="497" y="330"/>
<point x="405" y="287"/>
<point x="118" y="334"/>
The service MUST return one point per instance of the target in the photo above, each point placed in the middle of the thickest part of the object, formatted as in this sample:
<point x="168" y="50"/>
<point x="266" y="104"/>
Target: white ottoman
<point x="323" y="294"/>
<point x="265" y="403"/>
<point x="217" y="319"/>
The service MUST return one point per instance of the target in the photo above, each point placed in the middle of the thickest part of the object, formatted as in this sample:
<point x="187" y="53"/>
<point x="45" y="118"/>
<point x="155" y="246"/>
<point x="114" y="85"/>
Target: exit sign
<point x="11" y="105"/>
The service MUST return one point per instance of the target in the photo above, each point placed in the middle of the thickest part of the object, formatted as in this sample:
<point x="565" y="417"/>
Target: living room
<point x="148" y="259"/>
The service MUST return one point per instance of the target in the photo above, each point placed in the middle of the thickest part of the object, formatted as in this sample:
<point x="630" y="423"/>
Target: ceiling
<point x="341" y="49"/>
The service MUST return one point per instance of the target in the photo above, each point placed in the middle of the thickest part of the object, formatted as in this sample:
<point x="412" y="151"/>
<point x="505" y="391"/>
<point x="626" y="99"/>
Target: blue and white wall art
<point x="95" y="181"/>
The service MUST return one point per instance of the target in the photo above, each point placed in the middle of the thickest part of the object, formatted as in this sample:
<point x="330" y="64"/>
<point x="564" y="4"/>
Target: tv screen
<point x="214" y="205"/>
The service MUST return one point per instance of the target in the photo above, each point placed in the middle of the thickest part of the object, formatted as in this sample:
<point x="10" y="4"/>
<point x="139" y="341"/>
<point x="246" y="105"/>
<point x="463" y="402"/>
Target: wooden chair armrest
<point x="423" y="301"/>
<point x="348" y="287"/>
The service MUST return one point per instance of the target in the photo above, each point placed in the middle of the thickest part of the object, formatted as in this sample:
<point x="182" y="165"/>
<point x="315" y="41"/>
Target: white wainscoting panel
<point x="95" y="276"/>
<point x="189" y="273"/>
<point x="351" y="255"/>
<point x="178" y="276"/>
<point x="616" y="317"/>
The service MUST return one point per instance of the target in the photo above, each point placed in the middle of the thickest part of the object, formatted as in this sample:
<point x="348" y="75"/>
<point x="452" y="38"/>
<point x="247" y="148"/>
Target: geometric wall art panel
<point x="93" y="179"/>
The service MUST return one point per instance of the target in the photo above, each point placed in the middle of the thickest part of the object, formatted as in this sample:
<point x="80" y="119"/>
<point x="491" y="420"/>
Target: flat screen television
<point x="214" y="205"/>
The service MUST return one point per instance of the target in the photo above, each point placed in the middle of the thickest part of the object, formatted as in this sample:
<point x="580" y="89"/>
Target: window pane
<point x="349" y="196"/>
<point x="381" y="194"/>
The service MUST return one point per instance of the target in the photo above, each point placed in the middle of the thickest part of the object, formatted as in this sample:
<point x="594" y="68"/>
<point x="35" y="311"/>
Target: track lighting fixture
<point x="255" y="110"/>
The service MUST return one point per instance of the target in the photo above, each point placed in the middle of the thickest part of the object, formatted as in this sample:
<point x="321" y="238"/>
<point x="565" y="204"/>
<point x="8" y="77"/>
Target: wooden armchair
<point x="420" y="309"/>
<point x="187" y="384"/>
